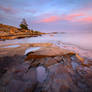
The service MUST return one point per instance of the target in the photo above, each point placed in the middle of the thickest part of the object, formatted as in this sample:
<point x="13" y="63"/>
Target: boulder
<point x="48" y="52"/>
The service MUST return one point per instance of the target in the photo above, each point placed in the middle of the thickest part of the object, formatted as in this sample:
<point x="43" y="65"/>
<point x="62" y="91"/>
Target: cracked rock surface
<point x="50" y="69"/>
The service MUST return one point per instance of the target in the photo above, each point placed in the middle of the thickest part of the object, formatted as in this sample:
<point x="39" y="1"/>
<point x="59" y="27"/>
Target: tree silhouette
<point x="24" y="24"/>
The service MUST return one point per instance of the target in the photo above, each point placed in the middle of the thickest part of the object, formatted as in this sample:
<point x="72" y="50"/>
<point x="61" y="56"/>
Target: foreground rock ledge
<point x="66" y="72"/>
<point x="48" y="52"/>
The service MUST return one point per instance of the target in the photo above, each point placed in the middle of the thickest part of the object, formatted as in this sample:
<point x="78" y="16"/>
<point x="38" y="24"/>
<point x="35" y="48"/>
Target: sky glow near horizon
<point x="48" y="15"/>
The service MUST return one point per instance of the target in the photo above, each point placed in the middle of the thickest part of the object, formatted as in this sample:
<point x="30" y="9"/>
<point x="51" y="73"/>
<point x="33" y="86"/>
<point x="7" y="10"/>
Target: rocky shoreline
<point x="11" y="37"/>
<point x="48" y="69"/>
<point x="10" y="32"/>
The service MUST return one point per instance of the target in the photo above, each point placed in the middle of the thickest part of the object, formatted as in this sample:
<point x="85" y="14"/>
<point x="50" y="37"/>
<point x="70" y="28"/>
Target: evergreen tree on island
<point x="24" y="24"/>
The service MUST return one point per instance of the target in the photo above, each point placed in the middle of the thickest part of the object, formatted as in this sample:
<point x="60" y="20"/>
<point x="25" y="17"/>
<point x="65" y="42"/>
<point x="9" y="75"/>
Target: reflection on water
<point x="31" y="49"/>
<point x="11" y="46"/>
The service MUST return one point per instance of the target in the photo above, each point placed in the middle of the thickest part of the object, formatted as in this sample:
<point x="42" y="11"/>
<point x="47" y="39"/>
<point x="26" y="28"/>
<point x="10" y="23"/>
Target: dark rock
<point x="59" y="80"/>
<point x="57" y="71"/>
<point x="20" y="79"/>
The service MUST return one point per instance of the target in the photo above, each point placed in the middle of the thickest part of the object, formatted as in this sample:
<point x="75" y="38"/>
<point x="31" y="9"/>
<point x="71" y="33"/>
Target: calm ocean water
<point x="83" y="40"/>
<point x="78" y="42"/>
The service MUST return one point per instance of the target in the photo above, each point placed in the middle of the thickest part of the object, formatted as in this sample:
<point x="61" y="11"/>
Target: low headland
<point x="10" y="32"/>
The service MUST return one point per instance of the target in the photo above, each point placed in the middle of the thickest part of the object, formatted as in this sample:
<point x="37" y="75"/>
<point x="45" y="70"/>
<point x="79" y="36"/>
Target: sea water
<point x="80" y="42"/>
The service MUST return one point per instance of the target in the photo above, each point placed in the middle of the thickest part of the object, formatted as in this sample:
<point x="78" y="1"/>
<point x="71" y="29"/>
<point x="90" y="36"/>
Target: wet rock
<point x="49" y="69"/>
<point x="59" y="80"/>
<point x="20" y="79"/>
<point x="69" y="76"/>
<point x="86" y="74"/>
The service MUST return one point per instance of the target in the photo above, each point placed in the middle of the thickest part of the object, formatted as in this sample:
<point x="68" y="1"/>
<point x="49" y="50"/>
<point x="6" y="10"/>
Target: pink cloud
<point x="50" y="19"/>
<point x="69" y="17"/>
<point x="76" y="16"/>
<point x="7" y="9"/>
<point x="85" y="19"/>
<point x="72" y="17"/>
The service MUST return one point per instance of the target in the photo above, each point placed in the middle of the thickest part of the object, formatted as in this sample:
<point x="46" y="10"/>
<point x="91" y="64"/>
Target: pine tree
<point x="24" y="24"/>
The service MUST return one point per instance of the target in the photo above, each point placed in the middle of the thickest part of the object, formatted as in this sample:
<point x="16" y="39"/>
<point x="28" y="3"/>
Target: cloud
<point x="48" y="14"/>
<point x="79" y="15"/>
<point x="86" y="19"/>
<point x="72" y="17"/>
<point x="7" y="9"/>
<point x="67" y="17"/>
<point x="50" y="19"/>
